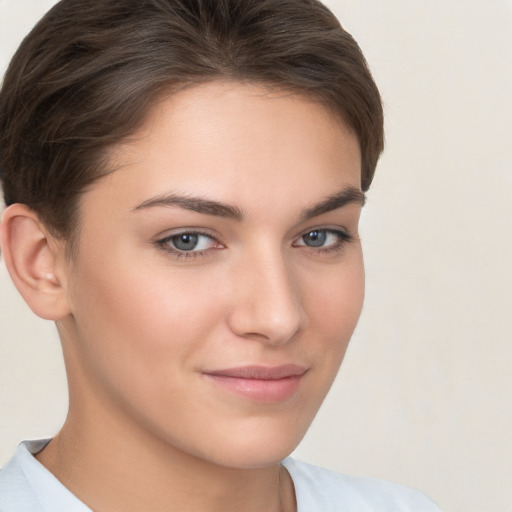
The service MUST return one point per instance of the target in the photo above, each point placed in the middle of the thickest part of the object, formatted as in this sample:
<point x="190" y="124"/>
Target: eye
<point x="325" y="239"/>
<point x="315" y="238"/>
<point x="188" y="243"/>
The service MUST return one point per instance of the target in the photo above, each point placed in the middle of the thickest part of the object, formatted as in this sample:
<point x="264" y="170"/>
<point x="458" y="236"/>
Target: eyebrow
<point x="195" y="204"/>
<point x="348" y="195"/>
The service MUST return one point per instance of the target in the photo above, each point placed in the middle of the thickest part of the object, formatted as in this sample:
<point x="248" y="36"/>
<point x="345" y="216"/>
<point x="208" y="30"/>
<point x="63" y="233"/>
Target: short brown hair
<point x="87" y="73"/>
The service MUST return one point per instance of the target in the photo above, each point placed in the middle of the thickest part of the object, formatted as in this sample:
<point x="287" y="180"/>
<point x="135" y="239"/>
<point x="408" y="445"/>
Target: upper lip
<point x="260" y="372"/>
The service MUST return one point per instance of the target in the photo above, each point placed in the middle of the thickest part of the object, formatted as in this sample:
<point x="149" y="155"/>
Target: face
<point x="219" y="274"/>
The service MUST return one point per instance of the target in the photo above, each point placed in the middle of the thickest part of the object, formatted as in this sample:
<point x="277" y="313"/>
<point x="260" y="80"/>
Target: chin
<point x="262" y="446"/>
<point x="253" y="458"/>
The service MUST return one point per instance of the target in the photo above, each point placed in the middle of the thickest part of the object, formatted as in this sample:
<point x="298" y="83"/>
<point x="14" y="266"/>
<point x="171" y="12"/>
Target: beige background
<point x="424" y="397"/>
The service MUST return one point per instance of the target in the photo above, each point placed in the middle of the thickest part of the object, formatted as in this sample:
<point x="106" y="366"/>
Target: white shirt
<point x="27" y="486"/>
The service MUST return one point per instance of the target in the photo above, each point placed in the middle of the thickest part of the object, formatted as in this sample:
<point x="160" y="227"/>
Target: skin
<point x="141" y="325"/>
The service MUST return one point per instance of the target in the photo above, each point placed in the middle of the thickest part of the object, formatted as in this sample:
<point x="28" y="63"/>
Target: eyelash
<point x="342" y="236"/>
<point x="165" y="245"/>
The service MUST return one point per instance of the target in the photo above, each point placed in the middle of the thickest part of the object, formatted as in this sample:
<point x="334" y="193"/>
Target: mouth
<point x="260" y="383"/>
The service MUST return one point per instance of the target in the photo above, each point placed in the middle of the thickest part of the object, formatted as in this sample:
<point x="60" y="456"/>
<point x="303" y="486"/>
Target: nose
<point x="267" y="302"/>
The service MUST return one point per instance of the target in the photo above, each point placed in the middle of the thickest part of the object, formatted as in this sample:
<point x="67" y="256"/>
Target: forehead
<point x="235" y="142"/>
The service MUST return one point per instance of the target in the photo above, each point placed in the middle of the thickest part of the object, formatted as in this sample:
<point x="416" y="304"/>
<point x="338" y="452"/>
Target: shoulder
<point x="318" y="489"/>
<point x="15" y="489"/>
<point x="26" y="486"/>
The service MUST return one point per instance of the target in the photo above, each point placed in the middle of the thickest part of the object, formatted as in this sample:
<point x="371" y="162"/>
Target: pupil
<point x="185" y="242"/>
<point x="315" y="238"/>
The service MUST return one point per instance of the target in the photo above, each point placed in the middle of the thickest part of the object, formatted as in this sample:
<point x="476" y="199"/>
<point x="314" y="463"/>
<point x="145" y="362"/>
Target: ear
<point x="35" y="260"/>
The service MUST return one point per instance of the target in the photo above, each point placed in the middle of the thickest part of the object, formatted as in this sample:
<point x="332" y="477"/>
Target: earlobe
<point x="34" y="259"/>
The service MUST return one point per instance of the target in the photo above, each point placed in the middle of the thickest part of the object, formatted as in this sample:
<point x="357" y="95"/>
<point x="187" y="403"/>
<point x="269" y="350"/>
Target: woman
<point x="183" y="181"/>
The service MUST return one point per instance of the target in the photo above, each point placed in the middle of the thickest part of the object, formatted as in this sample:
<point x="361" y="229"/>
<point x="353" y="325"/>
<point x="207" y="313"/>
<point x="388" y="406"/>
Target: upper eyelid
<point x="188" y="232"/>
<point x="329" y="229"/>
<point x="337" y="231"/>
<point x="170" y="233"/>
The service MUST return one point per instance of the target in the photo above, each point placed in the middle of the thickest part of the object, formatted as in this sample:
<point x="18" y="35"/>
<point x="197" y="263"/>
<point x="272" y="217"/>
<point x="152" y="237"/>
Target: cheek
<point x="333" y="299"/>
<point x="335" y="296"/>
<point x="133" y="324"/>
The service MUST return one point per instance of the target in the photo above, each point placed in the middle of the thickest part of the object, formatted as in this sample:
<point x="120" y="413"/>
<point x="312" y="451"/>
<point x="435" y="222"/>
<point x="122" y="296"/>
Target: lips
<point x="260" y="383"/>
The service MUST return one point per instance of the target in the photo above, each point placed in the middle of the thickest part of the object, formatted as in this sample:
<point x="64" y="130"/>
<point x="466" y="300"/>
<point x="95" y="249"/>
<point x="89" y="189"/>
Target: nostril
<point x="266" y="321"/>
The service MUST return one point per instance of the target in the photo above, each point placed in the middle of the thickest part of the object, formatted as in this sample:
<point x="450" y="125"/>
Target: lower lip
<point x="259" y="390"/>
